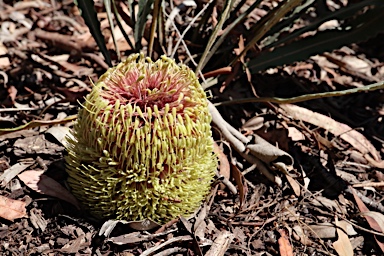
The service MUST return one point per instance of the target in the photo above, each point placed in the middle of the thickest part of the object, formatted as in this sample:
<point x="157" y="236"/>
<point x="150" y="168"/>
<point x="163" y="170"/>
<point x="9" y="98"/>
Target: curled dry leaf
<point x="255" y="123"/>
<point x="12" y="209"/>
<point x="131" y="238"/>
<point x="59" y="133"/>
<point x="294" y="184"/>
<point x="43" y="184"/>
<point x="242" y="185"/>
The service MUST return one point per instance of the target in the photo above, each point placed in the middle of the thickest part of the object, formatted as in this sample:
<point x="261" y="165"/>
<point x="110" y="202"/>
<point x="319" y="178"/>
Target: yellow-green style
<point x="142" y="146"/>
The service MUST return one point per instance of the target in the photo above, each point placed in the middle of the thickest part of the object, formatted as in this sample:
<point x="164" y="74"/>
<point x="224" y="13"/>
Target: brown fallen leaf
<point x="224" y="167"/>
<point x="12" y="92"/>
<point x="372" y="222"/>
<point x="43" y="184"/>
<point x="294" y="184"/>
<point x="369" y="217"/>
<point x="12" y="209"/>
<point x="4" y="61"/>
<point x="12" y="172"/>
<point x="285" y="246"/>
<point x="343" y="245"/>
<point x="353" y="137"/>
<point x="241" y="184"/>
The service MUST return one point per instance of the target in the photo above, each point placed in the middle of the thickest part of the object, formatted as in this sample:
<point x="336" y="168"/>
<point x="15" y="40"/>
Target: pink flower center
<point x="148" y="88"/>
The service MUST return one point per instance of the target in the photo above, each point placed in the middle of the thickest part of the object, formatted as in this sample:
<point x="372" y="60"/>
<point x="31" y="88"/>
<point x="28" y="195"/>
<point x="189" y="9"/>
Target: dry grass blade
<point x="108" y="8"/>
<point x="90" y="18"/>
<point x="37" y="123"/>
<point x="155" y="19"/>
<point x="230" y="27"/>
<point x="142" y="18"/>
<point x="203" y="61"/>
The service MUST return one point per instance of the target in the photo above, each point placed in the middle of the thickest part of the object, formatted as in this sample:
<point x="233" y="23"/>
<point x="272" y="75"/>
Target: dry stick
<point x="186" y="50"/>
<point x="17" y="109"/>
<point x="222" y="125"/>
<point x="96" y="58"/>
<point x="166" y="225"/>
<point x="181" y="36"/>
<point x="229" y="134"/>
<point x="170" y="241"/>
<point x="366" y="200"/>
<point x="38" y="123"/>
<point x="171" y="251"/>
<point x="369" y="184"/>
<point x="227" y="183"/>
<point x="236" y="133"/>
<point x="262" y="168"/>
<point x="63" y="41"/>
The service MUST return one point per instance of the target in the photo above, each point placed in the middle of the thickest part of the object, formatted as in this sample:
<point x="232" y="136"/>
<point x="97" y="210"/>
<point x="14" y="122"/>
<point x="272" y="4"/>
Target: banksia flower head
<point x="142" y="145"/>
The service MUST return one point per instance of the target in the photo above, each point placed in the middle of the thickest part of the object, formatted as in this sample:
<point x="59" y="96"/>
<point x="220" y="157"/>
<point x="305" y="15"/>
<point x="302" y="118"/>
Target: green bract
<point x="142" y="145"/>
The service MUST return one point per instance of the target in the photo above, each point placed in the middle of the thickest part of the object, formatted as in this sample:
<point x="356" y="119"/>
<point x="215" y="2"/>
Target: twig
<point x="96" y="58"/>
<point x="17" y="109"/>
<point x="181" y="36"/>
<point x="366" y="200"/>
<point x="223" y="126"/>
<point x="237" y="140"/>
<point x="227" y="183"/>
<point x="170" y="241"/>
<point x="171" y="251"/>
<point x="166" y="225"/>
<point x="63" y="41"/>
<point x="262" y="168"/>
<point x="361" y="228"/>
<point x="369" y="184"/>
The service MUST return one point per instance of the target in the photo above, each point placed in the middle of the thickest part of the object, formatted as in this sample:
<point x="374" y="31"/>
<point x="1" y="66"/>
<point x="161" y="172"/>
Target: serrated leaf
<point x="321" y="42"/>
<point x="89" y="15"/>
<point x="108" y="8"/>
<point x="341" y="14"/>
<point x="145" y="7"/>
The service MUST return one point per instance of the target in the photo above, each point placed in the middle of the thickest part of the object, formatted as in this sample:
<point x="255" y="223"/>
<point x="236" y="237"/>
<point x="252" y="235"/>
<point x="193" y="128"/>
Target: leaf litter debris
<point x="295" y="201"/>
